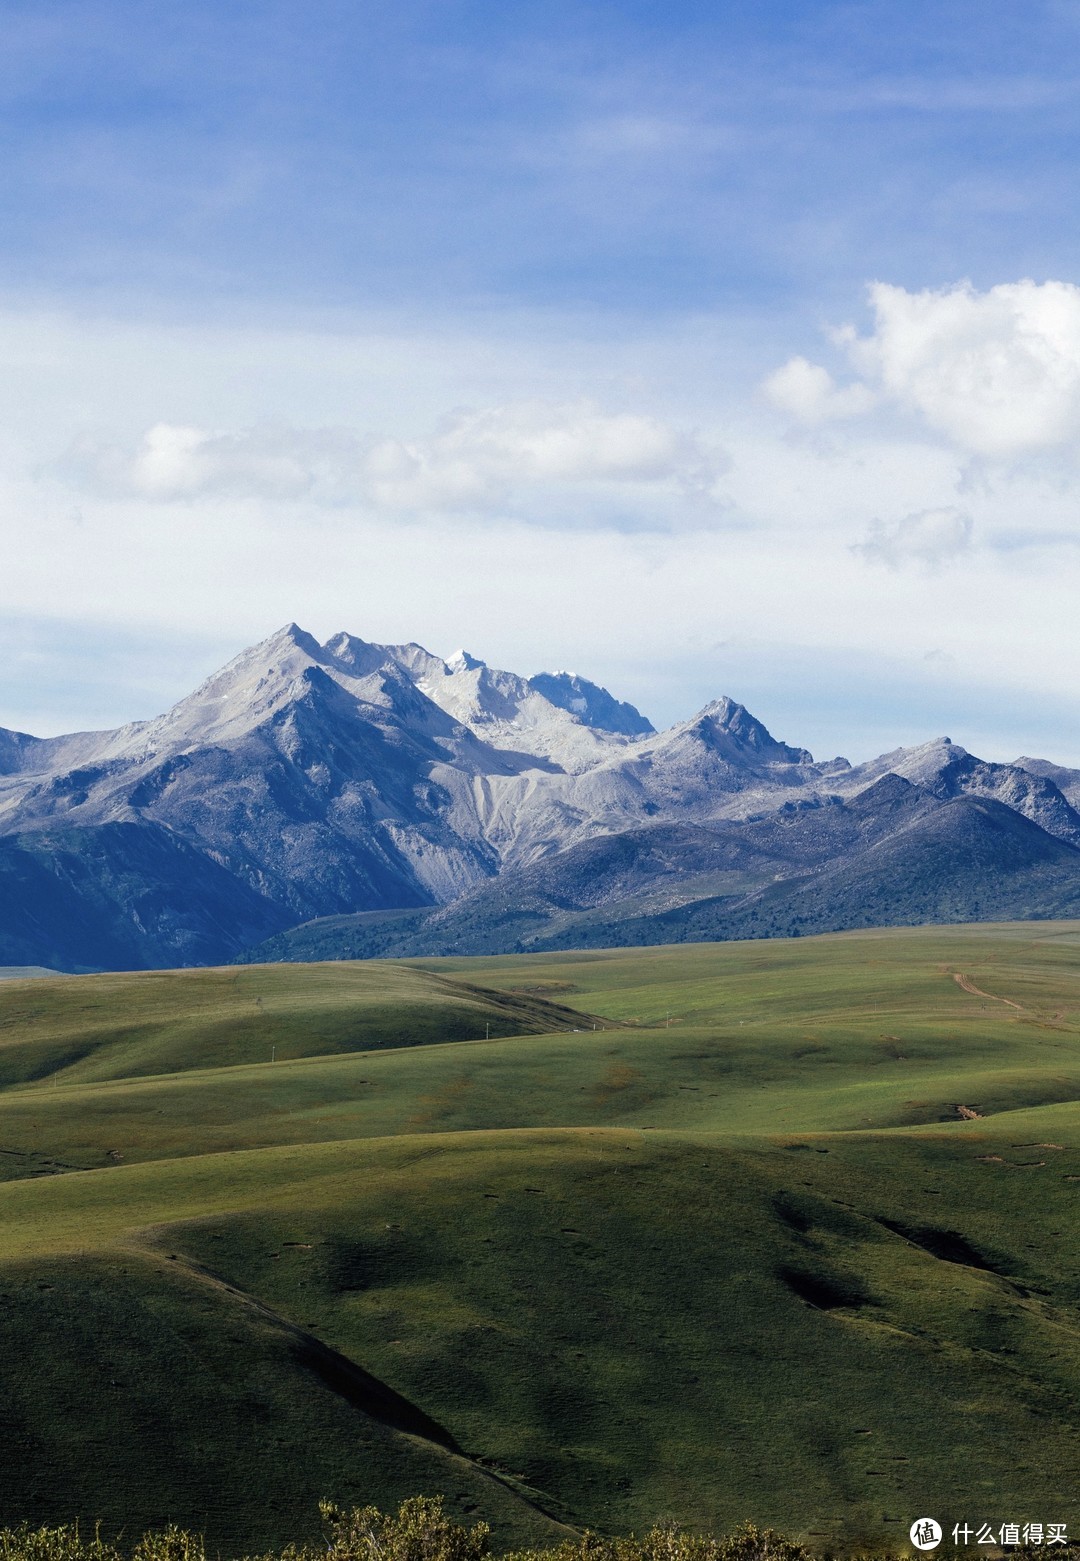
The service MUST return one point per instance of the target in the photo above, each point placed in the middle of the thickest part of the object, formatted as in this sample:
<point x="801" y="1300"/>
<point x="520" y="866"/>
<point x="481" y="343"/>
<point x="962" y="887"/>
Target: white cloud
<point x="177" y="461"/>
<point x="929" y="538"/>
<point x="998" y="372"/>
<point x="477" y="460"/>
<point x="480" y="457"/>
<point x="809" y="393"/>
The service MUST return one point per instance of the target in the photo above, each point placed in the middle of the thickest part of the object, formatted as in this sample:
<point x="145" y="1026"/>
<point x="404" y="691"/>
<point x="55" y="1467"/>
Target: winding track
<point x="969" y="986"/>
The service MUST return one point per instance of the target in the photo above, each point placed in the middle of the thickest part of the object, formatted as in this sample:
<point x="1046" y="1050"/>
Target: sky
<point x="699" y="348"/>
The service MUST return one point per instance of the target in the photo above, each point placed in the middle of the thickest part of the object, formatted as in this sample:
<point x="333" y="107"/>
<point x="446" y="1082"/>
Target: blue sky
<point x="617" y="157"/>
<point x="548" y="328"/>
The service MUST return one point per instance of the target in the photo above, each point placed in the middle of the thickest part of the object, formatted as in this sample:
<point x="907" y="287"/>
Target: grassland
<point x="783" y="1231"/>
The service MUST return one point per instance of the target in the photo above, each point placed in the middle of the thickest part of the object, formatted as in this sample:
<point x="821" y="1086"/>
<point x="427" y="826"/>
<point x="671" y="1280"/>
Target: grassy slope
<point x="840" y="1033"/>
<point x="86" y="1028"/>
<point x="138" y="1392"/>
<point x="746" y="1263"/>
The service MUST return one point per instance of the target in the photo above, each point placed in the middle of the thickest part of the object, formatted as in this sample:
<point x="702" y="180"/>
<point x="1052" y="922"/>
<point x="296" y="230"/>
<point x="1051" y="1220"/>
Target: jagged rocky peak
<point x="357" y="656"/>
<point x="925" y="763"/>
<point x="462" y="661"/>
<point x="281" y="655"/>
<point x="233" y="700"/>
<point x="284" y="641"/>
<point x="463" y="685"/>
<point x="732" y="723"/>
<point x="489" y="698"/>
<point x="592" y="705"/>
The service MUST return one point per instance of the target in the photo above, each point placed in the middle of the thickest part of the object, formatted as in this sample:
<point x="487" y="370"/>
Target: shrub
<point x="669" y="1542"/>
<point x="170" y="1544"/>
<point x="420" y="1531"/>
<point x="63" y="1543"/>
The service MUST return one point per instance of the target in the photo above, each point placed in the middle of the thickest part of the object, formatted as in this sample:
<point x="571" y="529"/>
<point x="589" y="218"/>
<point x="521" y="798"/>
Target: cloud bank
<point x="616" y="502"/>
<point x="478" y="460"/>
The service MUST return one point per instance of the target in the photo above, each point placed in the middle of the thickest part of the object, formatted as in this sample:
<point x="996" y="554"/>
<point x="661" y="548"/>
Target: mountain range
<point x="349" y="799"/>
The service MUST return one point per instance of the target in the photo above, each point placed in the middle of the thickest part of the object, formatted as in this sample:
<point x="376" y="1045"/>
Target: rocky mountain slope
<point x="427" y="805"/>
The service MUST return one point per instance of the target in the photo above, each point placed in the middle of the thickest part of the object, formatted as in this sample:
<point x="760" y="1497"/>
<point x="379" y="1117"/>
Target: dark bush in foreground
<point x="421" y="1531"/>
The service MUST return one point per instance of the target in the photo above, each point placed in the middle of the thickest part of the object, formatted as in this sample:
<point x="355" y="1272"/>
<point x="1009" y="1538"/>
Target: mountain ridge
<point x="303" y="781"/>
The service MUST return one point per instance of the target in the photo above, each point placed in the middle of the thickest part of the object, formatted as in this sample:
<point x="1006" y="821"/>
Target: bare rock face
<point x="592" y="705"/>
<point x="308" y="780"/>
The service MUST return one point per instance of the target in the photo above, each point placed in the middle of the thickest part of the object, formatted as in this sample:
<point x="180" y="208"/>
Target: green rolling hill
<point x="777" y="1230"/>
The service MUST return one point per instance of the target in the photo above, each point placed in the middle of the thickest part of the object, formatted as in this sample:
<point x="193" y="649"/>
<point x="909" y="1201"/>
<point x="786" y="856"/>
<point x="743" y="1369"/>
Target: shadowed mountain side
<point x="498" y="916"/>
<point x="945" y="770"/>
<point x="321" y="806"/>
<point x="892" y="855"/>
<point x="966" y="861"/>
<point x="121" y="896"/>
